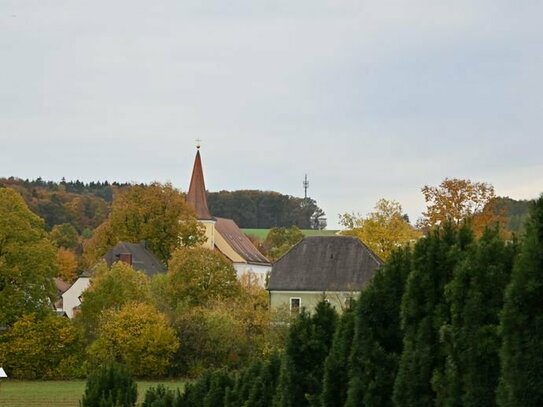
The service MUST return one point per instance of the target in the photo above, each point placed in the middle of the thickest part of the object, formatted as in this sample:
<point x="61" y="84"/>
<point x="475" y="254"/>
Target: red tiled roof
<point x="61" y="285"/>
<point x="196" y="197"/>
<point x="241" y="244"/>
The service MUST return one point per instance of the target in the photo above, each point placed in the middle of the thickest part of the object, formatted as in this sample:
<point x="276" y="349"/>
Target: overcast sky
<point x="370" y="98"/>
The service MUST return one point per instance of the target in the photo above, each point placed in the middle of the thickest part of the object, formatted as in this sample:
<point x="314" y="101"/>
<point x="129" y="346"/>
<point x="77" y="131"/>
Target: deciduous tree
<point x="198" y="276"/>
<point x="27" y="261"/>
<point x="111" y="289"/>
<point x="383" y="230"/>
<point x="155" y="213"/>
<point x="138" y="336"/>
<point x="67" y="264"/>
<point x="65" y="236"/>
<point x="47" y="348"/>
<point x="280" y="240"/>
<point x="458" y="200"/>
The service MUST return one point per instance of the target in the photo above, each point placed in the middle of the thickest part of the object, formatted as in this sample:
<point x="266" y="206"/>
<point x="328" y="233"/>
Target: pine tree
<point x="521" y="382"/>
<point x="196" y="392"/>
<point x="423" y="312"/>
<point x="264" y="387"/>
<point x="377" y="342"/>
<point x="475" y="297"/>
<point x="110" y="386"/>
<point x="160" y="396"/>
<point x="336" y="372"/>
<point x="302" y="369"/>
<point x="219" y="382"/>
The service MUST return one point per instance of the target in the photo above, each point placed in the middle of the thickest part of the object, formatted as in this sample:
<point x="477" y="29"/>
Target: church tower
<point x="223" y="234"/>
<point x="197" y="200"/>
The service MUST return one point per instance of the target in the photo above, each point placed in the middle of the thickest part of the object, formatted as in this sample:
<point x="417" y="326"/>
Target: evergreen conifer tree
<point x="307" y="346"/>
<point x="196" y="392"/>
<point x="110" y="386"/>
<point x="265" y="385"/>
<point x="377" y="342"/>
<point x="336" y="372"/>
<point x="521" y="382"/>
<point x="219" y="382"/>
<point x="475" y="296"/>
<point x="423" y="312"/>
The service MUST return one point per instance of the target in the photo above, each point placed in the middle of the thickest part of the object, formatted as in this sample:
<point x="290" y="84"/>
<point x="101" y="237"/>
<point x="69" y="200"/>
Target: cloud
<point x="372" y="99"/>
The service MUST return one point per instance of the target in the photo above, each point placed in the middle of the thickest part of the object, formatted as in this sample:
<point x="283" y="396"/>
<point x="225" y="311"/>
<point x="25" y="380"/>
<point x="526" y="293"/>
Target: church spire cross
<point x="198" y="143"/>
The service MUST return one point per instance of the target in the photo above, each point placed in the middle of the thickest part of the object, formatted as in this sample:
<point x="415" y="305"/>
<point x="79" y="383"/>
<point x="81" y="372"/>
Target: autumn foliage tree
<point x="27" y="260"/>
<point x="383" y="230"/>
<point x="138" y="336"/>
<point x="458" y="200"/>
<point x="47" y="348"/>
<point x="280" y="240"/>
<point x="111" y="289"/>
<point x="198" y="276"/>
<point x="156" y="213"/>
<point x="67" y="264"/>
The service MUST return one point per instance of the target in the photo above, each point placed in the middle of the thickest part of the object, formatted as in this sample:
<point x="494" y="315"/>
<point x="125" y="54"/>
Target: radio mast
<point x="306" y="186"/>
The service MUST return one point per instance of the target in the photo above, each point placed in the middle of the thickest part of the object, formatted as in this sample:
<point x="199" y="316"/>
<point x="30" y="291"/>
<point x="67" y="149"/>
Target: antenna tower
<point x="306" y="186"/>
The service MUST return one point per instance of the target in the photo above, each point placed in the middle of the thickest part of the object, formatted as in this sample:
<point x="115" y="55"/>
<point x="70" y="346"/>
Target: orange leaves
<point x="459" y="200"/>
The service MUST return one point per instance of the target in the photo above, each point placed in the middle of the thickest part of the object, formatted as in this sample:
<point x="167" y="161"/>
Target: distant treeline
<point x="87" y="205"/>
<point x="515" y="211"/>
<point x="266" y="209"/>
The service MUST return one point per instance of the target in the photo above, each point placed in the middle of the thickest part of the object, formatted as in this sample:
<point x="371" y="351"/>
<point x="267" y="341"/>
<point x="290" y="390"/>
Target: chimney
<point x="126" y="258"/>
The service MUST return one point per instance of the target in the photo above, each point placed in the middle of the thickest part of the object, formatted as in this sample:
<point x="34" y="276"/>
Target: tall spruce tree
<point x="521" y="382"/>
<point x="377" y="342"/>
<point x="423" y="312"/>
<point x="336" y="372"/>
<point x="307" y="346"/>
<point x="475" y="297"/>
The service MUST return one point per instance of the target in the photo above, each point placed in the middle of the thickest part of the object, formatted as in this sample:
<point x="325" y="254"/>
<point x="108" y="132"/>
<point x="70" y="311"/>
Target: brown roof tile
<point x="242" y="245"/>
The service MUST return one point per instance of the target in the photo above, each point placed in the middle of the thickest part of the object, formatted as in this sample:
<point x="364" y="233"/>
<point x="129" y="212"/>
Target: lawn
<point x="262" y="233"/>
<point x="16" y="393"/>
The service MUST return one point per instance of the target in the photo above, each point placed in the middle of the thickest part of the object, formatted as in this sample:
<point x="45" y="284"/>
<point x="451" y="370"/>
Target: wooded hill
<point x="87" y="205"/>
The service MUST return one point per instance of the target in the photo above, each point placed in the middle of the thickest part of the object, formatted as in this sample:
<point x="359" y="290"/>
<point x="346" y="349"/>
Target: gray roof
<point x="142" y="259"/>
<point x="324" y="263"/>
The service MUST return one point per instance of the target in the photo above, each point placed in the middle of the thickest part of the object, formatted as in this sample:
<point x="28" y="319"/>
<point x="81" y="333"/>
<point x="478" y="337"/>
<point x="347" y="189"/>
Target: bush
<point x="110" y="386"/>
<point x="48" y="348"/>
<point x="138" y="336"/>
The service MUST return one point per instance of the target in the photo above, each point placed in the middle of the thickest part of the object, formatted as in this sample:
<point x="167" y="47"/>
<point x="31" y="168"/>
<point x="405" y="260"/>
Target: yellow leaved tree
<point x="458" y="200"/>
<point x="382" y="230"/>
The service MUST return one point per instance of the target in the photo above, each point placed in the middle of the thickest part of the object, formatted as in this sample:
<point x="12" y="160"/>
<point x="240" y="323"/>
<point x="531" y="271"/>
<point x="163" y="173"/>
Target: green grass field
<point x="15" y="393"/>
<point x="262" y="233"/>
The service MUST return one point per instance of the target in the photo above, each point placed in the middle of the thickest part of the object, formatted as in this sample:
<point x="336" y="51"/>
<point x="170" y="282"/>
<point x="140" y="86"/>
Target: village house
<point x="334" y="268"/>
<point x="136" y="255"/>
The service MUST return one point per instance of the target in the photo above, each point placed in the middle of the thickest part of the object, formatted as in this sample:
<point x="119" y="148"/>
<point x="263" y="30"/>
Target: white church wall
<point x="259" y="271"/>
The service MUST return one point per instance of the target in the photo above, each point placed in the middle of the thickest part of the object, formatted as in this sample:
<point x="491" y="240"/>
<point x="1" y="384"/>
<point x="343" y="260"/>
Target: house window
<point x="295" y="304"/>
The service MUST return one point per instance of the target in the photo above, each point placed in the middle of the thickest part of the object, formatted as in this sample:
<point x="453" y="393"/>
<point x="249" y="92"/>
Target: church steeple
<point x="196" y="197"/>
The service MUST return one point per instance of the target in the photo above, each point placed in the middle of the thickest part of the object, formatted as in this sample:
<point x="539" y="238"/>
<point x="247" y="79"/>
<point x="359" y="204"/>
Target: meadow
<point x="262" y="233"/>
<point x="20" y="393"/>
